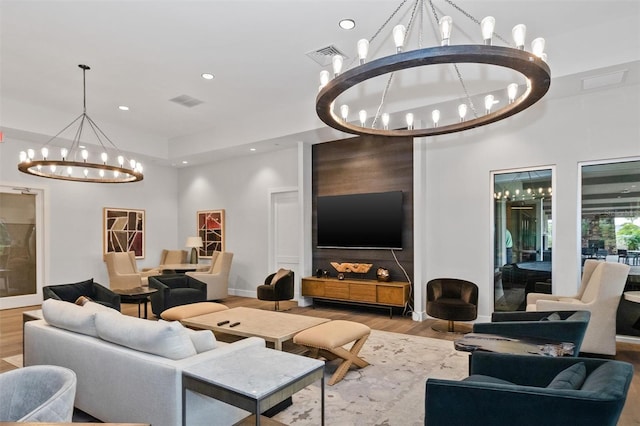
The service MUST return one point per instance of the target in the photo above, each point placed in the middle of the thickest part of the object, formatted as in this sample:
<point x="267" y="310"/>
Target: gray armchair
<point x="562" y="326"/>
<point x="530" y="391"/>
<point x="40" y="393"/>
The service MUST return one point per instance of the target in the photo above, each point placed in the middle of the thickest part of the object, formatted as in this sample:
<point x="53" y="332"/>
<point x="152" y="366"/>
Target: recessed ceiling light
<point x="208" y="76"/>
<point x="185" y="162"/>
<point x="347" y="24"/>
<point x="252" y="149"/>
<point x="123" y="108"/>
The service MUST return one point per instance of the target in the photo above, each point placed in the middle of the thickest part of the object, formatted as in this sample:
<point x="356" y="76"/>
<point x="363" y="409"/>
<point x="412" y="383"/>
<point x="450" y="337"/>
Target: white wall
<point x="561" y="132"/>
<point x="240" y="186"/>
<point x="73" y="216"/>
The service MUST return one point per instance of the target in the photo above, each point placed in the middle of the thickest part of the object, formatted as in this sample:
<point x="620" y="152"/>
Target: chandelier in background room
<point x="73" y="163"/>
<point x="346" y="102"/>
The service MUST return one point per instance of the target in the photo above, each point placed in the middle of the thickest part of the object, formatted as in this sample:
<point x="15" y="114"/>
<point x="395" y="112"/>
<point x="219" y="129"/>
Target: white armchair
<point x="600" y="291"/>
<point x="123" y="271"/>
<point x="216" y="278"/>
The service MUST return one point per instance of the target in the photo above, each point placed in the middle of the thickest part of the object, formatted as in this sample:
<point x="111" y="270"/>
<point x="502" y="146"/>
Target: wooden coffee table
<point x="275" y="327"/>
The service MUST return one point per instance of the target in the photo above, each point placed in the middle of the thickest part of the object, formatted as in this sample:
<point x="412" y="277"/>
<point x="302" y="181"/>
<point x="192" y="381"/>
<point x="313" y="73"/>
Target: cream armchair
<point x="216" y="278"/>
<point x="123" y="271"/>
<point x="168" y="257"/>
<point x="600" y="291"/>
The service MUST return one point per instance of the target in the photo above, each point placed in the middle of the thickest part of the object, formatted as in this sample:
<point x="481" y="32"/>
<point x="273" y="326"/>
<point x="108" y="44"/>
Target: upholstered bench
<point x="181" y="312"/>
<point x="327" y="339"/>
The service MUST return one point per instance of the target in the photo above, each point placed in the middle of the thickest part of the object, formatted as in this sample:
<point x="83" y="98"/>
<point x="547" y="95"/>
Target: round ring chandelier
<point x="532" y="66"/>
<point x="73" y="164"/>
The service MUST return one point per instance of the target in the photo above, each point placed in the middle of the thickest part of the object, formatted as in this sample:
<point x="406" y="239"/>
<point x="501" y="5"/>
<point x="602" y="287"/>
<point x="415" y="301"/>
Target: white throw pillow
<point x="203" y="340"/>
<point x="69" y="316"/>
<point x="167" y="339"/>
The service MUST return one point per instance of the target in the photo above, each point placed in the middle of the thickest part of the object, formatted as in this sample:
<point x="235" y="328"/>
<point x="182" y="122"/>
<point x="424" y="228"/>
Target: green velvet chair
<point x="528" y="390"/>
<point x="561" y="326"/>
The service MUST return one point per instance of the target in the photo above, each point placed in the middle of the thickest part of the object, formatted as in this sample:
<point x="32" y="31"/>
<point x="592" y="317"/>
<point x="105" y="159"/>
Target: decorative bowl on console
<point x="382" y="274"/>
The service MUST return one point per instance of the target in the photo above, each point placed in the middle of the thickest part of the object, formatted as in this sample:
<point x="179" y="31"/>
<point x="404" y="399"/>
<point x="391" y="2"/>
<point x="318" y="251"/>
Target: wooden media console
<point x="367" y="292"/>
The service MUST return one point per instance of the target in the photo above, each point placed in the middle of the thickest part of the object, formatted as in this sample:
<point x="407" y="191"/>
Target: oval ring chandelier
<point x="532" y="66"/>
<point x="73" y="164"/>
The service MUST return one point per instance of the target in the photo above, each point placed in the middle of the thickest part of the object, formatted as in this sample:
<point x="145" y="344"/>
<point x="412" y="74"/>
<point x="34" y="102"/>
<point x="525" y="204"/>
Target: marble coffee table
<point x="253" y="379"/>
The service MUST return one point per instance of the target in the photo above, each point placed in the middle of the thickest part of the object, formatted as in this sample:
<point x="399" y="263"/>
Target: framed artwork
<point x="123" y="230"/>
<point x="211" y="230"/>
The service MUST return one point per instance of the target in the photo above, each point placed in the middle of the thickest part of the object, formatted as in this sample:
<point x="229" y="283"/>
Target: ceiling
<point x="144" y="53"/>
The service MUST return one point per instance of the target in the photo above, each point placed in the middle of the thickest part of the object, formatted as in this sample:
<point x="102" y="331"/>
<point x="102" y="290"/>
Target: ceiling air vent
<point x="186" y="101"/>
<point x="323" y="55"/>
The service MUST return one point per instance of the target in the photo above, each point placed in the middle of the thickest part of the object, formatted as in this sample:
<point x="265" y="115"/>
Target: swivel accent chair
<point x="452" y="299"/>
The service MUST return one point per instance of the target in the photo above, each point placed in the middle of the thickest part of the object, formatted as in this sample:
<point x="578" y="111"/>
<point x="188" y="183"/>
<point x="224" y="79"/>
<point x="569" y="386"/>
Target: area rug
<point x="388" y="392"/>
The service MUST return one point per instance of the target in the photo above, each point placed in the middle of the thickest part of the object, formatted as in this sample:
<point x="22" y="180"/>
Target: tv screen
<point x="360" y="221"/>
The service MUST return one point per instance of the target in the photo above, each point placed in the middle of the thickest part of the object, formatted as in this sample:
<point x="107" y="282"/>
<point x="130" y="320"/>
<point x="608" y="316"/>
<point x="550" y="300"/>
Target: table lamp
<point x="194" y="243"/>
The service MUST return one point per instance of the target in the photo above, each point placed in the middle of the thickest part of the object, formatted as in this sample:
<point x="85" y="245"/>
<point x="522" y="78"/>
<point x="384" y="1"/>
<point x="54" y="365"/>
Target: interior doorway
<point x="21" y="219"/>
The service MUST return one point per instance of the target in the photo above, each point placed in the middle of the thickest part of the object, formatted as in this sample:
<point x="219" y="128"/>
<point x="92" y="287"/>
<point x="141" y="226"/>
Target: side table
<point x="253" y="379"/>
<point x="137" y="295"/>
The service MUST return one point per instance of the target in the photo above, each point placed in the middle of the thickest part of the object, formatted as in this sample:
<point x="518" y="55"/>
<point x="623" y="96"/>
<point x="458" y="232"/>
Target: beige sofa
<point x="129" y="369"/>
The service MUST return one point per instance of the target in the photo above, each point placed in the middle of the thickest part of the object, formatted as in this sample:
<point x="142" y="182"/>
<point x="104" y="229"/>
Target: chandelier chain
<point x="386" y="89"/>
<point x="455" y="66"/>
<point x="377" y="33"/>
<point x="468" y="15"/>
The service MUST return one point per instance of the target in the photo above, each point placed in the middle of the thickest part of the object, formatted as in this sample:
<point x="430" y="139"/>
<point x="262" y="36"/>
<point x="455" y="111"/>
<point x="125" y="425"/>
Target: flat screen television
<point x="360" y="221"/>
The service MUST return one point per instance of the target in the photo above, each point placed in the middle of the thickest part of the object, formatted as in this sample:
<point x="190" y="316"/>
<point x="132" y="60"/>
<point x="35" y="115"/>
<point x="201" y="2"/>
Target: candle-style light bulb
<point x="409" y="118"/>
<point x="52" y="168"/>
<point x="85" y="154"/>
<point x="139" y="167"/>
<point x="462" y="111"/>
<point x="324" y="78"/>
<point x="45" y="152"/>
<point x="121" y="160"/>
<point x="487" y="25"/>
<point x="435" y="116"/>
<point x="344" y="112"/>
<point x="363" y="117"/>
<point x="537" y="47"/>
<point x="385" y="121"/>
<point x="446" y="23"/>
<point x="104" y="157"/>
<point x="337" y="61"/>
<point x="23" y="156"/>
<point x="488" y="103"/>
<point x="31" y="153"/>
<point x="363" y="50"/>
<point x="132" y="163"/>
<point x="63" y="153"/>
<point x="116" y="173"/>
<point x="512" y="92"/>
<point x="85" y="172"/>
<point x="398" y="37"/>
<point x="69" y="171"/>
<point x="101" y="173"/>
<point x="519" y="33"/>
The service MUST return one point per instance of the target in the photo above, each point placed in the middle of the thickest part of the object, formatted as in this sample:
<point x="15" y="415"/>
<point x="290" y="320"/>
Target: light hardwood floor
<point x="11" y="335"/>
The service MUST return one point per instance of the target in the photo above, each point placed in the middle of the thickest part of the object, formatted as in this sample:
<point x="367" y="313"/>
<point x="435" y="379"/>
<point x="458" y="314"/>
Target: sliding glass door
<point x="611" y="226"/>
<point x="21" y="218"/>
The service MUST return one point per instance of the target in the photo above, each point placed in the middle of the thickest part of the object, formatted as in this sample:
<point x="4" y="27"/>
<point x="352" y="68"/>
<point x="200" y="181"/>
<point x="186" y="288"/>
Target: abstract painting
<point x="211" y="230"/>
<point x="123" y="231"/>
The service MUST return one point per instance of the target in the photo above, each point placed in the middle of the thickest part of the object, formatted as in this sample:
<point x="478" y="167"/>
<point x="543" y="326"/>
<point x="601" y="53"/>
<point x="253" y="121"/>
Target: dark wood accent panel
<point x="362" y="165"/>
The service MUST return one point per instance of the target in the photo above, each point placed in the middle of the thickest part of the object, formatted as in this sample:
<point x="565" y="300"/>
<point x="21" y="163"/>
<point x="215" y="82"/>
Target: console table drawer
<point x="312" y="288"/>
<point x="392" y="295"/>
<point x="362" y="292"/>
<point x="336" y="290"/>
